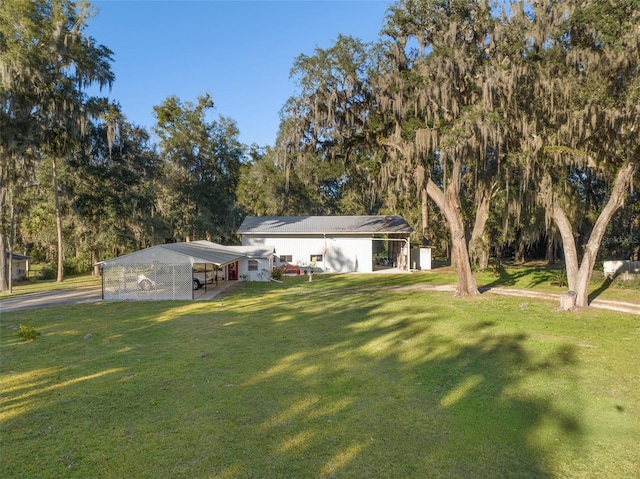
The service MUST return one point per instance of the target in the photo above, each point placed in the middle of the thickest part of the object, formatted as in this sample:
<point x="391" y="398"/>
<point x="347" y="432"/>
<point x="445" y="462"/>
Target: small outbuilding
<point x="19" y="266"/>
<point x="176" y="270"/>
<point x="336" y="244"/>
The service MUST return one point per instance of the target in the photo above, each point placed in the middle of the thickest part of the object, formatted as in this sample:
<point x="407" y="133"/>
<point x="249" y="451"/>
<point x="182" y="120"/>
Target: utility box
<point x="421" y="258"/>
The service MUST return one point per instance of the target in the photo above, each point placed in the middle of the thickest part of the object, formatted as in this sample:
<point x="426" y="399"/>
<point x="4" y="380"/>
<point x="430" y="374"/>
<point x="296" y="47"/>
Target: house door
<point x="232" y="271"/>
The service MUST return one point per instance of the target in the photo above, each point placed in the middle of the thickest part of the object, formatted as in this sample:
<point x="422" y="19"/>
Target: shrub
<point x="28" y="333"/>
<point x="47" y="272"/>
<point x="559" y="278"/>
<point x="277" y="273"/>
<point x="76" y="265"/>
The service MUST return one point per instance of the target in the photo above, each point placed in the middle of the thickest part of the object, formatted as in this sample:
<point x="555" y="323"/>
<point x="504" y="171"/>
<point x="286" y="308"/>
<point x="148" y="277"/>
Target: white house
<point x="334" y="244"/>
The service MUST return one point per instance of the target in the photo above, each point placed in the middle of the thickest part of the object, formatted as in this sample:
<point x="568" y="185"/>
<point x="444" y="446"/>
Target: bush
<point x="277" y="273"/>
<point x="76" y="266"/>
<point x="47" y="272"/>
<point x="559" y="278"/>
<point x="28" y="333"/>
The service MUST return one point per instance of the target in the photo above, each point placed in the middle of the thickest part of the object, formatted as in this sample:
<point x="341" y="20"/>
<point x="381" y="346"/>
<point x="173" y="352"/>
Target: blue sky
<point x="241" y="52"/>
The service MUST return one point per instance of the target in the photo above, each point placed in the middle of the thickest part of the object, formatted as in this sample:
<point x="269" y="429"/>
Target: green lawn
<point x="350" y="376"/>
<point x="35" y="285"/>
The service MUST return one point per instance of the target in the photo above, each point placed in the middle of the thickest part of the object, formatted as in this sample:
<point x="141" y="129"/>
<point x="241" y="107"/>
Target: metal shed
<point x="19" y="266"/>
<point x="163" y="271"/>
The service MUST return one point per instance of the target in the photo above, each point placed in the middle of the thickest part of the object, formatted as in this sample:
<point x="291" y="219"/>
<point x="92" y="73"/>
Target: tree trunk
<point x="3" y="262"/>
<point x="425" y="217"/>
<point x="578" y="276"/>
<point x="96" y="258"/>
<point x="449" y="204"/>
<point x="11" y="242"/>
<point x="519" y="256"/>
<point x="616" y="201"/>
<point x="478" y="245"/>
<point x="3" y="235"/>
<point x="568" y="245"/>
<point x="56" y="196"/>
<point x="551" y="247"/>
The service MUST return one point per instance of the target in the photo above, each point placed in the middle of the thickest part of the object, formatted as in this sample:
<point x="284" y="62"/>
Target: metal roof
<point x="18" y="257"/>
<point x="248" y="251"/>
<point x="195" y="252"/>
<point x="324" y="225"/>
<point x="203" y="254"/>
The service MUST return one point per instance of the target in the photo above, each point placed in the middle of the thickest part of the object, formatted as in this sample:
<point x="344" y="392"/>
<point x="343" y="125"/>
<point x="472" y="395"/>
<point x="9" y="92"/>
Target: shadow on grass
<point x="322" y="379"/>
<point x="422" y="403"/>
<point x="606" y="284"/>
<point x="530" y="277"/>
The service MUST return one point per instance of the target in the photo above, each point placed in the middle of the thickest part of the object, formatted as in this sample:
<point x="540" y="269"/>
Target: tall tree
<point x="113" y="188"/>
<point x="446" y="132"/>
<point x="580" y="60"/>
<point x="329" y="124"/>
<point x="202" y="159"/>
<point x="270" y="186"/>
<point x="46" y="62"/>
<point x="429" y="108"/>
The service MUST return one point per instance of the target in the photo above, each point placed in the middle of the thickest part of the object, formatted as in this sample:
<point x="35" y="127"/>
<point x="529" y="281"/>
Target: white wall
<point x="19" y="269"/>
<point x="421" y="258"/>
<point x="265" y="265"/>
<point x="340" y="254"/>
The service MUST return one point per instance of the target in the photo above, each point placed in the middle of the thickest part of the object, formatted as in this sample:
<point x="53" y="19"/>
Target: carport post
<point x="408" y="254"/>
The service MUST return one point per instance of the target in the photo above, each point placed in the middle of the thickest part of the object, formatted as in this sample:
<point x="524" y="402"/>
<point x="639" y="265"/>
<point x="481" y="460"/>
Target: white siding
<point x="340" y="254"/>
<point x="262" y="274"/>
<point x="19" y="270"/>
<point x="421" y="258"/>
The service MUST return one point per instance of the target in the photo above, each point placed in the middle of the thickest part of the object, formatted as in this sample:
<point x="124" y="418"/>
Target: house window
<point x="316" y="258"/>
<point x="286" y="258"/>
<point x="253" y="265"/>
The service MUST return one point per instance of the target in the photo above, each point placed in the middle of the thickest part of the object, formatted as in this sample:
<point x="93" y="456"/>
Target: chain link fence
<point x="147" y="282"/>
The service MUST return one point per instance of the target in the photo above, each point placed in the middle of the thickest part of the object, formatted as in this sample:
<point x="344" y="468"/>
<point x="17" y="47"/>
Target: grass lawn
<point x="350" y="376"/>
<point x="35" y="285"/>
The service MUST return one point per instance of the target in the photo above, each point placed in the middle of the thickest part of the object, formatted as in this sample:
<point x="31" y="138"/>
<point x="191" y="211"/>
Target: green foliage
<point x="28" y="333"/>
<point x="277" y="273"/>
<point x="47" y="271"/>
<point x="202" y="167"/>
<point x="77" y="265"/>
<point x="559" y="278"/>
<point x="48" y="63"/>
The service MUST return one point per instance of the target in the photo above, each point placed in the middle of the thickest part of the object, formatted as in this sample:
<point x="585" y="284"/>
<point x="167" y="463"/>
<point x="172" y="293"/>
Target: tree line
<point x="498" y="130"/>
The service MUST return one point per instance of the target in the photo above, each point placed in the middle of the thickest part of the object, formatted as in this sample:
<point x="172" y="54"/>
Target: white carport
<point x="163" y="271"/>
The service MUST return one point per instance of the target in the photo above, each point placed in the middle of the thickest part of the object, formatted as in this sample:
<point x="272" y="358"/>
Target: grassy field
<point x="35" y="285"/>
<point x="349" y="376"/>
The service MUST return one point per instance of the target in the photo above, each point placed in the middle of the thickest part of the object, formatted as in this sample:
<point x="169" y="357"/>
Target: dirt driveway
<point x="622" y="306"/>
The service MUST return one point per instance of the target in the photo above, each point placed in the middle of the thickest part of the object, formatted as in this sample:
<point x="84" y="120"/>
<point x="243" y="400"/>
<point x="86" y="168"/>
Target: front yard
<point x="346" y="376"/>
